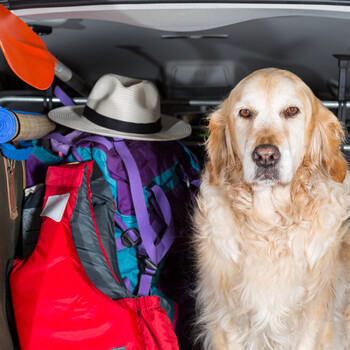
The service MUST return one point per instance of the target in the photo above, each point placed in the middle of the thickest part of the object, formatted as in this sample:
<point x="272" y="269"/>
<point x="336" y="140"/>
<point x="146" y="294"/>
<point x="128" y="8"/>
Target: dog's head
<point x="270" y="124"/>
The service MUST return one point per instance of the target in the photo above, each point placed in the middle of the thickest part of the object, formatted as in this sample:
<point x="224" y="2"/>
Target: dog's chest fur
<point x="272" y="288"/>
<point x="272" y="267"/>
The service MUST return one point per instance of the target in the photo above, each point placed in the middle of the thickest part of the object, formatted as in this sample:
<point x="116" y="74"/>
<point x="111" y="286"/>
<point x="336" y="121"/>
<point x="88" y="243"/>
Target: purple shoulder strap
<point x="63" y="97"/>
<point x="153" y="251"/>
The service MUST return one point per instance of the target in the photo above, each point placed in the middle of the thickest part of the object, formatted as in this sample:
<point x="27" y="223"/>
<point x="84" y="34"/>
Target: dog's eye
<point x="245" y="113"/>
<point x="291" y="111"/>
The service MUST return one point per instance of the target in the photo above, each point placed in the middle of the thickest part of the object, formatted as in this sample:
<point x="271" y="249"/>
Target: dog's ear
<point x="220" y="143"/>
<point x="326" y="135"/>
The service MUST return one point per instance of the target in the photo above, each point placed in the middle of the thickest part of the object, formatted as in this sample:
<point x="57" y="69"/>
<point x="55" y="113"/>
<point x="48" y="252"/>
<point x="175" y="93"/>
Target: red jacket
<point x="55" y="303"/>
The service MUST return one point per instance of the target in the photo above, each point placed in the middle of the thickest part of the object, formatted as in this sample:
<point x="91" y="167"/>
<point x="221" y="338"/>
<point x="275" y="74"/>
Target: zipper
<point x="23" y="163"/>
<point x="10" y="165"/>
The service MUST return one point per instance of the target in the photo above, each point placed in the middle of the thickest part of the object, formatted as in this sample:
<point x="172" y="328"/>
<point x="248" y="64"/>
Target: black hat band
<point x="121" y="125"/>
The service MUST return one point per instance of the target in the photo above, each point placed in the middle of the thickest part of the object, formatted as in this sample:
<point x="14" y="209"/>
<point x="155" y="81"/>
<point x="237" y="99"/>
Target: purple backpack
<point x="152" y="184"/>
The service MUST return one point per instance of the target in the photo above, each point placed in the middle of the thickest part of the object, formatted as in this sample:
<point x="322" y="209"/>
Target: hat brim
<point x="72" y="117"/>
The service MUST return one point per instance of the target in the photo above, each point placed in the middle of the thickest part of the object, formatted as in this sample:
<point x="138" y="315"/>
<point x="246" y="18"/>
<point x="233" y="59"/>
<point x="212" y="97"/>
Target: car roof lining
<point x="180" y="17"/>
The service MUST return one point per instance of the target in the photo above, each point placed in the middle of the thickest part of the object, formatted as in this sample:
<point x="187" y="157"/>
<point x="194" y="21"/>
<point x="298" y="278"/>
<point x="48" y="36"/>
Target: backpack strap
<point x="152" y="249"/>
<point x="63" y="143"/>
<point x="161" y="204"/>
<point x="95" y="138"/>
<point x="11" y="152"/>
<point x="185" y="178"/>
<point x="63" y="97"/>
<point x="59" y="142"/>
<point x="138" y="199"/>
<point x="131" y="236"/>
<point x="195" y="183"/>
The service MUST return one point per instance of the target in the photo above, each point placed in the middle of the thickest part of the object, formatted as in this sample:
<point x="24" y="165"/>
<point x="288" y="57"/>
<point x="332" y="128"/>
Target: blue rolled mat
<point x="19" y="125"/>
<point x="8" y="125"/>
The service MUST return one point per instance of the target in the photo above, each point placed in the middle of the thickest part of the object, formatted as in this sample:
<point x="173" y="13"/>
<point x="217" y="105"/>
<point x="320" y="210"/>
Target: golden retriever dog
<point x="272" y="236"/>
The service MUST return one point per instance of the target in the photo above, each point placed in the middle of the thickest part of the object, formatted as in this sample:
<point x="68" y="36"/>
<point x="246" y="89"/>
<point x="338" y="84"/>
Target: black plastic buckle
<point x="147" y="266"/>
<point x="128" y="241"/>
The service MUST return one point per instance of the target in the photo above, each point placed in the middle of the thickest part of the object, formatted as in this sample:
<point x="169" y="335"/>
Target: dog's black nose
<point x="266" y="155"/>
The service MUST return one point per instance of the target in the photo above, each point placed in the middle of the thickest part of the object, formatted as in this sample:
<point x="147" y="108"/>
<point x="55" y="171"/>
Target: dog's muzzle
<point x="266" y="158"/>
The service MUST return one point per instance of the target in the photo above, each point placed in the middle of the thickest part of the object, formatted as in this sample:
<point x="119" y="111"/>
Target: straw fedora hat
<point x="122" y="107"/>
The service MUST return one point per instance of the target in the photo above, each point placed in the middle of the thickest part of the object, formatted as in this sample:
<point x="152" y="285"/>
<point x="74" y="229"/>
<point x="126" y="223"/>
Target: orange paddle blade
<point x="25" y="52"/>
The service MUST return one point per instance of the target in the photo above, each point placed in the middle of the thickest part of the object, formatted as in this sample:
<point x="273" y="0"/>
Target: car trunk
<point x="194" y="52"/>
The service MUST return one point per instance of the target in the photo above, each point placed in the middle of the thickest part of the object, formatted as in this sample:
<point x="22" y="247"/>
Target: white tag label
<point x="55" y="207"/>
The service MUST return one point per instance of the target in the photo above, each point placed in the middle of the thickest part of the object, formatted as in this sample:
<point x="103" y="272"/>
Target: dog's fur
<point x="272" y="244"/>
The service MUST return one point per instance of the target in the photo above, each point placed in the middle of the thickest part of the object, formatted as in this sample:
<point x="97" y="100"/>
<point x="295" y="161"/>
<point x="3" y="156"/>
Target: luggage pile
<point x="105" y="217"/>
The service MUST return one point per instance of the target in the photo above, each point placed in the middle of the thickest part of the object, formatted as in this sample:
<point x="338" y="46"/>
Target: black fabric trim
<point x="120" y="125"/>
<point x="18" y="125"/>
<point x="103" y="206"/>
<point x="9" y="306"/>
<point x="26" y="4"/>
<point x="88" y="246"/>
